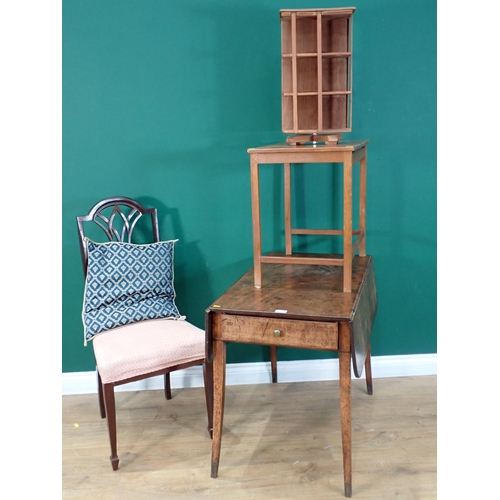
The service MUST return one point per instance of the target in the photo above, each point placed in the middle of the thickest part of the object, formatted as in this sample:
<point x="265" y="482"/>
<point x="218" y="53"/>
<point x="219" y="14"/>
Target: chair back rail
<point x="125" y="212"/>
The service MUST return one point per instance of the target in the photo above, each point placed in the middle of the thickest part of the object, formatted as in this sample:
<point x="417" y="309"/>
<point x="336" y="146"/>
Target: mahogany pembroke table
<point x="302" y="306"/>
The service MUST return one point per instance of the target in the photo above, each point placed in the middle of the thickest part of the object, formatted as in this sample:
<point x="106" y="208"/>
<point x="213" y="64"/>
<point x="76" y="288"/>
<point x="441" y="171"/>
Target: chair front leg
<point x="102" y="406"/>
<point x="109" y="399"/>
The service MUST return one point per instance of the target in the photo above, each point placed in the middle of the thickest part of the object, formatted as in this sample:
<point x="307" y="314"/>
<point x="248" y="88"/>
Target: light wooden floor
<point x="280" y="441"/>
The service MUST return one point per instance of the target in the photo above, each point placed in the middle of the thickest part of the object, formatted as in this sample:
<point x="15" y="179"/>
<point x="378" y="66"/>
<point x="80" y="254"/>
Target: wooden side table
<point x="299" y="306"/>
<point x="347" y="152"/>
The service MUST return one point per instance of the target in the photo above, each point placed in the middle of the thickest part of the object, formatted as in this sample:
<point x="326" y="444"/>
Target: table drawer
<point x="275" y="331"/>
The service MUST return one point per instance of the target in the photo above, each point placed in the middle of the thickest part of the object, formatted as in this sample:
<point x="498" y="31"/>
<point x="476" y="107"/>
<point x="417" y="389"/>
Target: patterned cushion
<point x="127" y="283"/>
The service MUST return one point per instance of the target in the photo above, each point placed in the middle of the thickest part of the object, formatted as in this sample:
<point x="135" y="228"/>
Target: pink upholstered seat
<point x="146" y="347"/>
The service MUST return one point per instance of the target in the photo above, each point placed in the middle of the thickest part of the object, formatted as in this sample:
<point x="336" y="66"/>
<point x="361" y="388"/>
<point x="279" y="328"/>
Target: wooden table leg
<point x="288" y="209"/>
<point x="219" y="369"/>
<point x="345" y="405"/>
<point x="208" y="378"/>
<point x="256" y="228"/>
<point x="362" y="204"/>
<point x="347" y="222"/>
<point x="274" y="363"/>
<point x="368" y="373"/>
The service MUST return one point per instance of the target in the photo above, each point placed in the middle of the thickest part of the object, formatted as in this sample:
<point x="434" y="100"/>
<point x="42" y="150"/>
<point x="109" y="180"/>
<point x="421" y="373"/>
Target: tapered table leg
<point x="219" y="370"/>
<point x="256" y="227"/>
<point x="368" y="373"/>
<point x="287" y="208"/>
<point x="208" y="377"/>
<point x="362" y="204"/>
<point x="347" y="222"/>
<point x="274" y="364"/>
<point x="345" y="403"/>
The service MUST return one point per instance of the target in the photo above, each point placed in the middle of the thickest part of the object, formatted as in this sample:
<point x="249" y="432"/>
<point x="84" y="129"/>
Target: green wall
<point x="161" y="100"/>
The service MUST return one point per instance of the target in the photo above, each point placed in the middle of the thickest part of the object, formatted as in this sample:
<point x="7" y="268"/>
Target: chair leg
<point x="102" y="406"/>
<point x="274" y="364"/>
<point x="168" y="390"/>
<point x="109" y="399"/>
<point x="208" y="378"/>
<point x="368" y="372"/>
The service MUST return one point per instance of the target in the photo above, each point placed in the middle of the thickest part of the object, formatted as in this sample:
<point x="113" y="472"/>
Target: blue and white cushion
<point x="127" y="283"/>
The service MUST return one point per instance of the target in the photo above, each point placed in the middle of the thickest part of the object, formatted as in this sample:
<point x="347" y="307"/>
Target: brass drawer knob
<point x="277" y="333"/>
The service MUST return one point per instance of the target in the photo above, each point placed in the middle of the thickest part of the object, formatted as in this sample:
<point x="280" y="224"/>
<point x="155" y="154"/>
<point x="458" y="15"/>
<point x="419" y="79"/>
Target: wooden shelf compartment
<point x="316" y="70"/>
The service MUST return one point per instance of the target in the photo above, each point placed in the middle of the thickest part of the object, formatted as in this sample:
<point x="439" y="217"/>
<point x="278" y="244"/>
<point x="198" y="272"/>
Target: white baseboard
<point x="260" y="373"/>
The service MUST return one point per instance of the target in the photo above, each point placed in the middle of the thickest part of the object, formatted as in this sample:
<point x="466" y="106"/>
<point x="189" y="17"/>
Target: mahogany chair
<point x="143" y="348"/>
